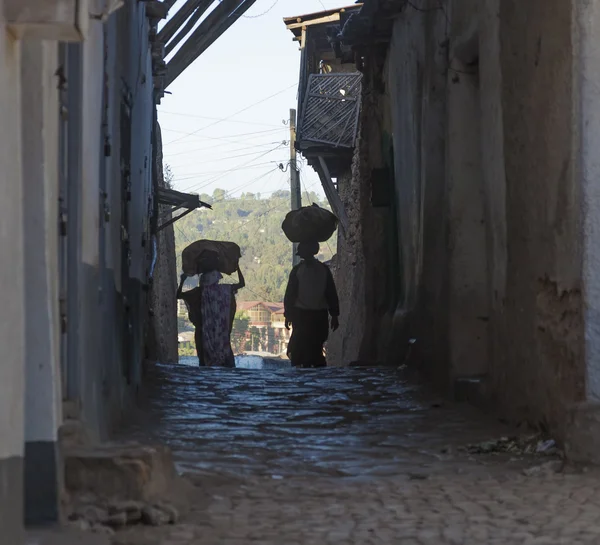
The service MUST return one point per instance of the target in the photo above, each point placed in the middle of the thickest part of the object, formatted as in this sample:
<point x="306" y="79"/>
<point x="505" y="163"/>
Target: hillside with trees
<point x="254" y="223"/>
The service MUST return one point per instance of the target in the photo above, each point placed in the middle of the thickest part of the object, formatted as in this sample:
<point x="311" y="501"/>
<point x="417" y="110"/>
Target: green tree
<point x="241" y="323"/>
<point x="255" y="225"/>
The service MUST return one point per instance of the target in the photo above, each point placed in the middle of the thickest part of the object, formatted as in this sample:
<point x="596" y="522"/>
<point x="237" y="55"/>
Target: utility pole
<point x="294" y="176"/>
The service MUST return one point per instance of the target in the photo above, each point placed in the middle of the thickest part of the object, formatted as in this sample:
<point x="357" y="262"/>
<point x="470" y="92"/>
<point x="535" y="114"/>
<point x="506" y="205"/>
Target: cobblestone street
<point x="351" y="457"/>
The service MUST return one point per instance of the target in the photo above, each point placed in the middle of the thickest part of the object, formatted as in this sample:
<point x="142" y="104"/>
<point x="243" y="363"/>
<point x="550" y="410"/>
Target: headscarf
<point x="210" y="278"/>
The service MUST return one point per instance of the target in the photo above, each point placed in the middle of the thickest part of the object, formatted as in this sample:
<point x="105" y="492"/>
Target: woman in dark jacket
<point x="310" y="298"/>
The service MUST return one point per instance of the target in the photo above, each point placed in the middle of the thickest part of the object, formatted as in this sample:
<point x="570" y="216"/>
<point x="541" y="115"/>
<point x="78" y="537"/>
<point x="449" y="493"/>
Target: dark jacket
<point x="323" y="292"/>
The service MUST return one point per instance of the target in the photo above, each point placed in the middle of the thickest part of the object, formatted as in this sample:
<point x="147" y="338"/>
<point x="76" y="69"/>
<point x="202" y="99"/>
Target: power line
<point x="225" y="158"/>
<point x="266" y="144"/>
<point x="208" y="148"/>
<point x="234" y="114"/>
<point x="244" y="185"/>
<point x="215" y="174"/>
<point x="194" y="150"/>
<point x="223" y="120"/>
<point x="244" y="165"/>
<point x="263" y="13"/>
<point x="226" y="138"/>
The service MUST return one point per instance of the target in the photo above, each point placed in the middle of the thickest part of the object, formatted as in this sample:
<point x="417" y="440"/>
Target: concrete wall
<point x="416" y="79"/>
<point x="116" y="191"/>
<point x="487" y="157"/>
<point x="67" y="139"/>
<point x="12" y="308"/>
<point x="40" y="201"/>
<point x="538" y="326"/>
<point x="468" y="283"/>
<point x="586" y="77"/>
<point x="493" y="183"/>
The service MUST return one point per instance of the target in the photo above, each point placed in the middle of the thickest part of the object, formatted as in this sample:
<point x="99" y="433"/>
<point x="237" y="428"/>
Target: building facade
<point x="471" y="204"/>
<point x="80" y="220"/>
<point x="78" y="95"/>
<point x="266" y="327"/>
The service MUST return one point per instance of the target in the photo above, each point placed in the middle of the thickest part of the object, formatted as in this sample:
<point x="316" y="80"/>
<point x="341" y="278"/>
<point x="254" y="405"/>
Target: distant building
<point x="269" y="319"/>
<point x="186" y="339"/>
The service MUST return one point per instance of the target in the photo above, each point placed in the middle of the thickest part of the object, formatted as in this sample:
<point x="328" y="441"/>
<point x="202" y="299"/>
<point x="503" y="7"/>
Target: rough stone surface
<point x="154" y="516"/>
<point x="131" y="472"/>
<point x="362" y="288"/>
<point x="72" y="433"/>
<point x="358" y="457"/>
<point x="162" y="336"/>
<point x="502" y="509"/>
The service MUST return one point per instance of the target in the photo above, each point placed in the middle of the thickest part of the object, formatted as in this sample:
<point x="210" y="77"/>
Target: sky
<point x="225" y="123"/>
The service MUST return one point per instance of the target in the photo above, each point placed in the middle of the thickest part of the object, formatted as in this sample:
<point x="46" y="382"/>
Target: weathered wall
<point x="494" y="174"/>
<point x="12" y="308"/>
<point x="467" y="274"/>
<point x="487" y="202"/>
<point x="361" y="287"/>
<point x="114" y="166"/>
<point x="43" y="395"/>
<point x="162" y="334"/>
<point x="492" y="115"/>
<point x="538" y="327"/>
<point x="417" y="86"/>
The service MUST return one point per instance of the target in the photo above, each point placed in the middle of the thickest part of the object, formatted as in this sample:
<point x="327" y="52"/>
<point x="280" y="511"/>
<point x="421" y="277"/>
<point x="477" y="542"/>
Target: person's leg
<point x="321" y="332"/>
<point x="292" y="345"/>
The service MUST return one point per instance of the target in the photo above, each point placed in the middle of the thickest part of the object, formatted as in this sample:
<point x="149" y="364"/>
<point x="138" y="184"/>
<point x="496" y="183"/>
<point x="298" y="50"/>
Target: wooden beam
<point x="332" y="195"/>
<point x="217" y="22"/>
<point x="329" y="19"/>
<point x="187" y="28"/>
<point x="181" y="16"/>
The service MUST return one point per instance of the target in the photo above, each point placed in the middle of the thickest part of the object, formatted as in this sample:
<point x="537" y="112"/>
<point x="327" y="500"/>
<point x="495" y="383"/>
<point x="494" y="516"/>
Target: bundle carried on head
<point x="206" y="255"/>
<point x="309" y="224"/>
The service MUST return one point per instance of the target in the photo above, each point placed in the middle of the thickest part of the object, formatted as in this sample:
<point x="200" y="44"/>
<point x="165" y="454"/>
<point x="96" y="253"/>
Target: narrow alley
<point x="354" y="455"/>
<point x="454" y="144"/>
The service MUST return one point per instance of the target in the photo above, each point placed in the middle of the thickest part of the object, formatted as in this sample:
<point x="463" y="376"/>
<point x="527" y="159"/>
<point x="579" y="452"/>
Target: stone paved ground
<point x="389" y="470"/>
<point x="452" y="509"/>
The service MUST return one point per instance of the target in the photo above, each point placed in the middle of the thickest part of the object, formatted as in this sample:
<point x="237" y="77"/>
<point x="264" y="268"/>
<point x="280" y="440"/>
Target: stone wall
<point x="488" y="203"/>
<point x="482" y="111"/>
<point x="361" y="287"/>
<point x="12" y="309"/>
<point x="162" y="332"/>
<point x="415" y="76"/>
<point x="538" y="367"/>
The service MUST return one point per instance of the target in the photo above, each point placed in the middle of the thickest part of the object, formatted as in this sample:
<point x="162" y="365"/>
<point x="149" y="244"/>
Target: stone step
<point x="120" y="471"/>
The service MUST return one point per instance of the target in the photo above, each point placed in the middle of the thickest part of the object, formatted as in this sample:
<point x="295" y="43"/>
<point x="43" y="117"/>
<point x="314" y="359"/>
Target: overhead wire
<point x="263" y="13"/>
<point x="223" y="137"/>
<point x="238" y="167"/>
<point x="213" y="173"/>
<point x="266" y="144"/>
<point x="224" y="120"/>
<point x="217" y="159"/>
<point x="258" y="145"/>
<point x="230" y="192"/>
<point x="234" y="114"/>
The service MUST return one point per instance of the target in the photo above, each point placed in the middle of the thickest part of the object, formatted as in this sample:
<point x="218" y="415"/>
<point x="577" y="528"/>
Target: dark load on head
<point x="207" y="255"/>
<point x="309" y="224"/>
